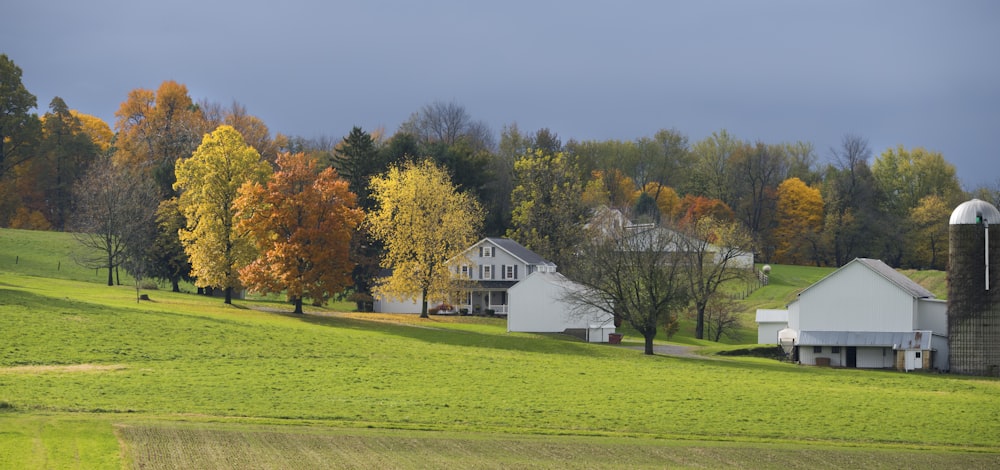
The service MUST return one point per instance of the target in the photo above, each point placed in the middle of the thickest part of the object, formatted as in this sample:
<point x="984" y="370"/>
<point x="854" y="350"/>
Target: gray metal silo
<point x="974" y="289"/>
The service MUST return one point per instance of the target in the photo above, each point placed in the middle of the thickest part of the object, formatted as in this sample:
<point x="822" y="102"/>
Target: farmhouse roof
<point x="519" y="251"/>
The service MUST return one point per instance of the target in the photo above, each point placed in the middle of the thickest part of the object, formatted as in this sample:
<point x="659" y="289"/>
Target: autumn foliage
<point x="301" y="221"/>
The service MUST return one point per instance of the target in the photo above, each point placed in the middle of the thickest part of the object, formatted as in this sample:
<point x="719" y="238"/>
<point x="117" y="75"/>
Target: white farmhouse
<point x="868" y="315"/>
<point x="506" y="279"/>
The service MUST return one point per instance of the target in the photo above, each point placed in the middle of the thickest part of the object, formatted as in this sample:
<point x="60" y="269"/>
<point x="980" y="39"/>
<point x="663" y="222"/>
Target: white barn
<point x="538" y="304"/>
<point x="868" y="315"/>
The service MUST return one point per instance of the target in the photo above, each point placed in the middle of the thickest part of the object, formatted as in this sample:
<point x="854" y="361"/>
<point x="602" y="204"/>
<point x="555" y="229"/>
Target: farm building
<point x="868" y="315"/>
<point x="769" y="323"/>
<point x="539" y="304"/>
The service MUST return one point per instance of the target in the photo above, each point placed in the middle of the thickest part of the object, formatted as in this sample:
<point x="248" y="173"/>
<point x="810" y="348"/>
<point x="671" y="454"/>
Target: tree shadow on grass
<point x="454" y="337"/>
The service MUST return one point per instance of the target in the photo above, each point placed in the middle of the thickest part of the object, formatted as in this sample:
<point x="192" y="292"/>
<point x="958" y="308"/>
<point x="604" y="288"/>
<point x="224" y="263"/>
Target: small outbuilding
<point x="769" y="323"/>
<point x="539" y="304"/>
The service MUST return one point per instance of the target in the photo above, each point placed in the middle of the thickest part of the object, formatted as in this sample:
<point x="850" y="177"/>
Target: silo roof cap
<point x="974" y="212"/>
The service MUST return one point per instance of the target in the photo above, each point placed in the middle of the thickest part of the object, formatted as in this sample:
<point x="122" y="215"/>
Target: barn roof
<point x="772" y="316"/>
<point x="895" y="277"/>
<point x="895" y="340"/>
<point x="905" y="283"/>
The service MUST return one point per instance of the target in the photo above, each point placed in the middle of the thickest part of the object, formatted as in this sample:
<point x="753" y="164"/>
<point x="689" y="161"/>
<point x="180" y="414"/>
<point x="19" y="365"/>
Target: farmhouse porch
<point x="485" y="298"/>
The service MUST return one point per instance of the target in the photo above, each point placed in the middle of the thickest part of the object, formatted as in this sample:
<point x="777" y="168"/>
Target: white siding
<point x="876" y="358"/>
<point x="386" y="305"/>
<point x="497" y="263"/>
<point x="536" y="305"/>
<point x="855" y="298"/>
<point x="769" y="323"/>
<point x="932" y="315"/>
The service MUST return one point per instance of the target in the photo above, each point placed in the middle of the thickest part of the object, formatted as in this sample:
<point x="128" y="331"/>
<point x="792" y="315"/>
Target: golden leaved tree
<point x="423" y="222"/>
<point x="800" y="223"/>
<point x="209" y="183"/>
<point x="302" y="222"/>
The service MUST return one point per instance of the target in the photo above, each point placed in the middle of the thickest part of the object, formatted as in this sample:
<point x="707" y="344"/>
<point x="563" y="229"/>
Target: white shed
<point x="769" y="323"/>
<point x="538" y="304"/>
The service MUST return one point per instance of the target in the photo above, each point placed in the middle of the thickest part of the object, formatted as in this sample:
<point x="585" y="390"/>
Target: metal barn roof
<point x="895" y="340"/>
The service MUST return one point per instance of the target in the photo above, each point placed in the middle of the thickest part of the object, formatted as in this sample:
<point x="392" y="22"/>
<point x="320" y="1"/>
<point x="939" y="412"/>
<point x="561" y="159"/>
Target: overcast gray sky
<point x="916" y="73"/>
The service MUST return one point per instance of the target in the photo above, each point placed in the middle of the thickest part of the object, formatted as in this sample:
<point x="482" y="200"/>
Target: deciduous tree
<point x="169" y="261"/>
<point x="115" y="209"/>
<point x="302" y="221"/>
<point x="548" y="211"/>
<point x="63" y="156"/>
<point x="157" y="129"/>
<point x="800" y="223"/>
<point x="422" y="221"/>
<point x="208" y="183"/>
<point x="929" y="221"/>
<point x="19" y="127"/>
<point x="713" y="250"/>
<point x="634" y="274"/>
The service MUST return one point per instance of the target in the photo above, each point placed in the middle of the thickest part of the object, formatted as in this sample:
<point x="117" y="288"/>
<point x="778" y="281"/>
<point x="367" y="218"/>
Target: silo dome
<point x="975" y="212"/>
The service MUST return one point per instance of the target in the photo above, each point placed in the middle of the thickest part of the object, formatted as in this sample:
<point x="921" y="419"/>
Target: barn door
<point x="852" y="356"/>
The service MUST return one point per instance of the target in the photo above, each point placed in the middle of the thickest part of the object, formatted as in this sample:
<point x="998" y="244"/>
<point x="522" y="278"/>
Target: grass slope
<point x="84" y="367"/>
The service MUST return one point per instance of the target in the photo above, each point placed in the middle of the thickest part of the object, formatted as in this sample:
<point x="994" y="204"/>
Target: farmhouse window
<point x="510" y="272"/>
<point x="817" y="349"/>
<point x="487" y="271"/>
<point x="465" y="271"/>
<point x="486" y="251"/>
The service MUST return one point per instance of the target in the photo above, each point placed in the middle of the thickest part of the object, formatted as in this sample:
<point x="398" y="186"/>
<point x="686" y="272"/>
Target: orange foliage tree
<point x="693" y="208"/>
<point x="800" y="223"/>
<point x="156" y="129"/>
<point x="302" y="221"/>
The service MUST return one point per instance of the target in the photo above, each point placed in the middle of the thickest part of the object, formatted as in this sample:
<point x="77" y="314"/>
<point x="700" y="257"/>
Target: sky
<point x="912" y="73"/>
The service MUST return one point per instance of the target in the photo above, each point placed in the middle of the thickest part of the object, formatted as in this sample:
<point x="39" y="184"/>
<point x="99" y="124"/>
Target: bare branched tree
<point x="721" y="318"/>
<point x="115" y="215"/>
<point x="716" y="253"/>
<point x="633" y="273"/>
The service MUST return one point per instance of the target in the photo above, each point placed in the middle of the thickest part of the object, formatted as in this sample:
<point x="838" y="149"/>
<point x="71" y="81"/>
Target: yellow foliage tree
<point x="423" y="222"/>
<point x="209" y="183"/>
<point x="929" y="221"/>
<point x="98" y="130"/>
<point x="667" y="200"/>
<point x="800" y="222"/>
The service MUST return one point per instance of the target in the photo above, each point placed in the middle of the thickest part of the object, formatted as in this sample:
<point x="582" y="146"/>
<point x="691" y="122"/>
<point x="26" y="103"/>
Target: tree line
<point x="66" y="170"/>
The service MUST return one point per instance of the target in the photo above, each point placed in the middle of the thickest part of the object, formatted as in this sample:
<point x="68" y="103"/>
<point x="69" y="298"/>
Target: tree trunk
<point x="423" y="304"/>
<point x="229" y="295"/>
<point x="298" y="305"/>
<point x="176" y="286"/>
<point x="699" y="329"/>
<point x="649" y="343"/>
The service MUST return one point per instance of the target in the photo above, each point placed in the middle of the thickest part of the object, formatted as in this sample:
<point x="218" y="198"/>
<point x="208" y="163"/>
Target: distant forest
<point x="893" y="205"/>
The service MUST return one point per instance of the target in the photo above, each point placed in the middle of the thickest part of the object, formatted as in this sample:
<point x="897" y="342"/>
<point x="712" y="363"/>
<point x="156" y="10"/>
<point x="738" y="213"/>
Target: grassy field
<point x="89" y="378"/>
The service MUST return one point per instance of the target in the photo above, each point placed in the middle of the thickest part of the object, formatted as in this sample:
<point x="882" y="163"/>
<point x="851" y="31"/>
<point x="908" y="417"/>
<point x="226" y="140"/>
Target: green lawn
<point x="89" y="378"/>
